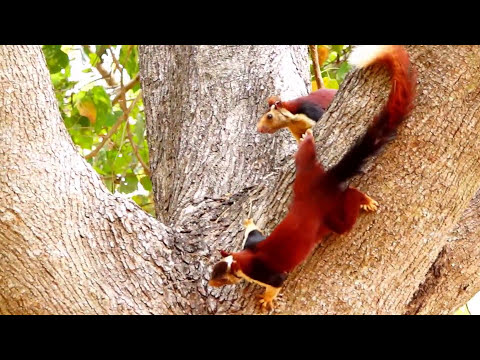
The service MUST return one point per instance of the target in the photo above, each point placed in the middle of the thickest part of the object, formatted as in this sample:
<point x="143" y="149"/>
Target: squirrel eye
<point x="269" y="116"/>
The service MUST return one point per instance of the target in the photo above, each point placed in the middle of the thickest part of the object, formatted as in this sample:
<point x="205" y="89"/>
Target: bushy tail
<point x="399" y="104"/>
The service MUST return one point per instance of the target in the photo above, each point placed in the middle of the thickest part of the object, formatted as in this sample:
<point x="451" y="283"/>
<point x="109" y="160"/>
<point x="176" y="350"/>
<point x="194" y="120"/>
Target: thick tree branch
<point x="423" y="181"/>
<point x="453" y="278"/>
<point x="195" y="141"/>
<point x="69" y="246"/>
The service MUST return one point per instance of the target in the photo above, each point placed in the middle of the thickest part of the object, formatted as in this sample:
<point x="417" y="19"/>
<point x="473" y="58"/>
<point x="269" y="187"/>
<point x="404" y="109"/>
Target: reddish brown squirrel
<point x="322" y="202"/>
<point x="298" y="115"/>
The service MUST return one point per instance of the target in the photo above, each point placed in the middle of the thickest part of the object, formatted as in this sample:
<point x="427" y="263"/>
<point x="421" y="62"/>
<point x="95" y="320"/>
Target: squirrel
<point x="322" y="202"/>
<point x="222" y="274"/>
<point x="298" y="115"/>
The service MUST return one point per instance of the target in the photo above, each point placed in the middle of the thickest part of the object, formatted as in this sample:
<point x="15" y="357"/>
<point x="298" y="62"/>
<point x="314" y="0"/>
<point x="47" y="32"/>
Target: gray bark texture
<point x="67" y="245"/>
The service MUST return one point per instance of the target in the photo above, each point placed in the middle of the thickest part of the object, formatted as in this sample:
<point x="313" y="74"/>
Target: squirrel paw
<point x="371" y="204"/>
<point x="306" y="133"/>
<point x="265" y="302"/>
<point x="247" y="222"/>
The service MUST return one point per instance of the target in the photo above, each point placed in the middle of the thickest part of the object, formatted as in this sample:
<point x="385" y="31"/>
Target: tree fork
<point x="69" y="246"/>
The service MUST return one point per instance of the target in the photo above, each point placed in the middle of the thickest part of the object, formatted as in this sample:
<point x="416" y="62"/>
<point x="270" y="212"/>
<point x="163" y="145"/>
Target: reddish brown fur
<point x="322" y="97"/>
<point x="400" y="101"/>
<point x="272" y="100"/>
<point x="320" y="205"/>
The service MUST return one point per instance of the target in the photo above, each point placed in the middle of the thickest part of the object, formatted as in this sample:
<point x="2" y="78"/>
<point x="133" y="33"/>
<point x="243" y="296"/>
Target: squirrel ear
<point x="274" y="100"/>
<point x="224" y="253"/>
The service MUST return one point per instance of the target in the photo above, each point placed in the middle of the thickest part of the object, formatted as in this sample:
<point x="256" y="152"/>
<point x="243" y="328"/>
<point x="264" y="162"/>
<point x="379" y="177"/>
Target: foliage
<point x="333" y="65"/>
<point x="462" y="311"/>
<point x="89" y="83"/>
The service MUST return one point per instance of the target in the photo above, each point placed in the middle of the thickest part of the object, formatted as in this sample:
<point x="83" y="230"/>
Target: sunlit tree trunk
<point x="69" y="246"/>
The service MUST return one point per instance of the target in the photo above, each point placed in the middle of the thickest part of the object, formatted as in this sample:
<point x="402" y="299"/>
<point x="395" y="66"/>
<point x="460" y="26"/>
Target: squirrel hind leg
<point x="342" y="219"/>
<point x="368" y="204"/>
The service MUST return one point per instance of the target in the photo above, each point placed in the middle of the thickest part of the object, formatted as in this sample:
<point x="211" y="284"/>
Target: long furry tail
<point x="398" y="106"/>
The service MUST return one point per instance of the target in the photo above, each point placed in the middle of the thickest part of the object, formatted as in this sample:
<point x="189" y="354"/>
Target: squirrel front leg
<point x="305" y="158"/>
<point x="267" y="298"/>
<point x="298" y="124"/>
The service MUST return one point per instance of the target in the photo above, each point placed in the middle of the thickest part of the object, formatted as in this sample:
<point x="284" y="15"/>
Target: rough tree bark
<point x="201" y="110"/>
<point x="69" y="246"/>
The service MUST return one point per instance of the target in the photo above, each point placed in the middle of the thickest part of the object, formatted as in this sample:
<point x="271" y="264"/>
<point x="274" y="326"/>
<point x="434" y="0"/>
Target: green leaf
<point x="84" y="141"/>
<point x="462" y="311"/>
<point x="94" y="59"/>
<point x="146" y="183"/>
<point x="108" y="183"/>
<point x="101" y="97"/>
<point x="86" y="49"/>
<point x="139" y="129"/>
<point x="140" y="199"/>
<point x="337" y="48"/>
<point x="342" y="71"/>
<point x="79" y="96"/>
<point x="102" y="164"/>
<point x="103" y="105"/>
<point x="61" y="83"/>
<point x="143" y="151"/>
<point x="129" y="185"/>
<point x="100" y="50"/>
<point x="129" y="59"/>
<point x="330" y="83"/>
<point x="123" y="160"/>
<point x="112" y="118"/>
<point x="145" y="202"/>
<point x="55" y="57"/>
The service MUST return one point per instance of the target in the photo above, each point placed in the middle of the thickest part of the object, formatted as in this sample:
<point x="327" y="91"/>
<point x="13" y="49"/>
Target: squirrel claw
<point x="371" y="205"/>
<point x="306" y="133"/>
<point x="247" y="222"/>
<point x="265" y="302"/>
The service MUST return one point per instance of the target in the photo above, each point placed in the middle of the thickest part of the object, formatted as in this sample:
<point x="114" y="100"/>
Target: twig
<point x="117" y="64"/>
<point x="123" y="89"/>
<point x="107" y="76"/>
<point x="130" y="47"/>
<point x="135" y="151"/>
<point x="127" y="87"/>
<point x="122" y="95"/>
<point x="115" y="127"/>
<point x="316" y="66"/>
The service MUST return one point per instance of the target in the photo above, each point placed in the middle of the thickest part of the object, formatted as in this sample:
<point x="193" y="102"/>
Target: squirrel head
<point x="273" y="119"/>
<point x="224" y="271"/>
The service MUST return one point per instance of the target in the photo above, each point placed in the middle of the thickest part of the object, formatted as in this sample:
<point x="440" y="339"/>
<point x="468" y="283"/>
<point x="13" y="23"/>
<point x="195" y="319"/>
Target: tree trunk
<point x="202" y="104"/>
<point x="69" y="246"/>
